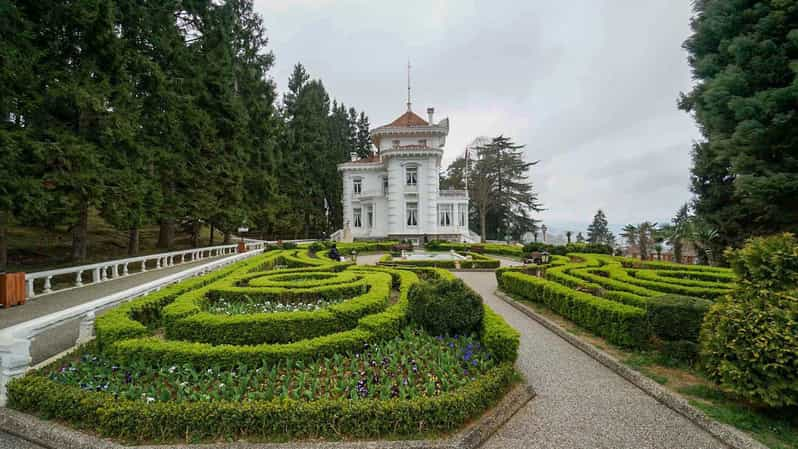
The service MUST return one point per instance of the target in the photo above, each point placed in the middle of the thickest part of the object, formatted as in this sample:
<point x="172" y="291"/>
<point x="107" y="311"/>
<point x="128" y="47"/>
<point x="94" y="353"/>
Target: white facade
<point x="395" y="193"/>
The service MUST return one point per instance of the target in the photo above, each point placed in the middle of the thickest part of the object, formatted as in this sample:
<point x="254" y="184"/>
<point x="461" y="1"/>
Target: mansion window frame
<point x="357" y="186"/>
<point x="357" y="217"/>
<point x="411" y="214"/>
<point x="411" y="175"/>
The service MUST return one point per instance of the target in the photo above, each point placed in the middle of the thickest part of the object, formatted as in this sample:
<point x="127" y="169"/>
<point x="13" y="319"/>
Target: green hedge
<point x="499" y="337"/>
<point x="674" y="317"/>
<point x="138" y="421"/>
<point x="129" y="320"/>
<point x="619" y="323"/>
<point x="374" y="291"/>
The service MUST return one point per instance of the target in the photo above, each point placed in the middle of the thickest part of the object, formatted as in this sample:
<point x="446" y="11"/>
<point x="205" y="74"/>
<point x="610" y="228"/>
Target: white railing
<point x="113" y="269"/>
<point x="15" y="341"/>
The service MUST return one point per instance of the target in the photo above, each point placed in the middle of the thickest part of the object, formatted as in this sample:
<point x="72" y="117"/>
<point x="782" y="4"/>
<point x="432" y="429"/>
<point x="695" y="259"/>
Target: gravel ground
<point x="580" y="403"/>
<point x="8" y="441"/>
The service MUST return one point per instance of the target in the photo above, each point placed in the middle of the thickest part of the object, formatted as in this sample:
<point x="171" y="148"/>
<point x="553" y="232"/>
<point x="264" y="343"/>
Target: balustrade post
<point x="48" y="287"/>
<point x="124" y="270"/>
<point x="114" y="271"/>
<point x="95" y="276"/>
<point x="31" y="293"/>
<point x="86" y="330"/>
<point x="157" y="263"/>
<point x="79" y="279"/>
<point x="103" y="273"/>
<point x="144" y="265"/>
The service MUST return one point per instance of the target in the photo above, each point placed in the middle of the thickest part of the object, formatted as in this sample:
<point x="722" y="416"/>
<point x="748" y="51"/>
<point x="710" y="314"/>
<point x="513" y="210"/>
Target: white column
<point x="79" y="279"/>
<point x="47" y="284"/>
<point x="86" y="330"/>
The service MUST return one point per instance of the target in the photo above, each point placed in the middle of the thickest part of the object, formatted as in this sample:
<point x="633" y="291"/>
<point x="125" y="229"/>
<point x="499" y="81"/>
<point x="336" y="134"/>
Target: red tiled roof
<point x="409" y="118"/>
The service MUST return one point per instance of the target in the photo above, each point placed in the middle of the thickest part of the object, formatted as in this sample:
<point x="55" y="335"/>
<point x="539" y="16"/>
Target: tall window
<point x="412" y="214"/>
<point x="357" y="186"/>
<point x="356" y="220"/>
<point x="370" y="216"/>
<point x="411" y="175"/>
<point x="385" y="184"/>
<point x="462" y="210"/>
<point x="445" y="214"/>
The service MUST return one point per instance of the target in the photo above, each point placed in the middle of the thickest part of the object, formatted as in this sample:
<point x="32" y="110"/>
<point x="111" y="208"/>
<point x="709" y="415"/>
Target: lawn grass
<point x="776" y="428"/>
<point x="35" y="249"/>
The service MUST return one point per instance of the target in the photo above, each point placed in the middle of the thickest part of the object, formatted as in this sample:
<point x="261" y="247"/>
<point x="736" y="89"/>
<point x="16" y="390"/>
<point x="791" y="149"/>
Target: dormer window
<point x="357" y="186"/>
<point x="411" y="175"/>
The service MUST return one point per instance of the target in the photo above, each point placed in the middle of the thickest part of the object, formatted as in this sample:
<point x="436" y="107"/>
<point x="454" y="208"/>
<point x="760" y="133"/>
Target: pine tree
<point x="745" y="172"/>
<point x="580" y="238"/>
<point x="598" y="232"/>
<point x="363" y="136"/>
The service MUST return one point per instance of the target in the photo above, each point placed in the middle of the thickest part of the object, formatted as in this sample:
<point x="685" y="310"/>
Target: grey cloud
<point x="589" y="85"/>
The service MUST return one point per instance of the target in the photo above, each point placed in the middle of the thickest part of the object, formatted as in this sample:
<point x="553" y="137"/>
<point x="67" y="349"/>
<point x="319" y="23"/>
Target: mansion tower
<point x="395" y="193"/>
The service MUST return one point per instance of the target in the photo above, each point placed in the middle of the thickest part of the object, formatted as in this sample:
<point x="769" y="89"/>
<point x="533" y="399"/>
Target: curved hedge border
<point x="138" y="421"/>
<point x="626" y="305"/>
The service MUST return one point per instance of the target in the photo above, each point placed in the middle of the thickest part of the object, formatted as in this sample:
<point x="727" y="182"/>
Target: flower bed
<point x="186" y="364"/>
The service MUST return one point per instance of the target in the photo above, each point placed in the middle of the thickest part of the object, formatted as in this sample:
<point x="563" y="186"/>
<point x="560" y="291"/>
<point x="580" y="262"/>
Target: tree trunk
<point x="210" y="239"/>
<point x="3" y="241"/>
<point x="195" y="233"/>
<point x="80" y="233"/>
<point x="228" y="238"/>
<point x="133" y="242"/>
<point x="166" y="235"/>
<point x="482" y="223"/>
<point x="677" y="251"/>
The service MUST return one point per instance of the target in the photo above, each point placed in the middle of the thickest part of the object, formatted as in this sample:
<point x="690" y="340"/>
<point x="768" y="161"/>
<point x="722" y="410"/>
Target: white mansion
<point x="395" y="193"/>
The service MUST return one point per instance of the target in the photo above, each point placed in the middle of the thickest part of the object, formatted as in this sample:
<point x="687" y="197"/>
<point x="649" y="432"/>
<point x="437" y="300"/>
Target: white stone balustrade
<point x="41" y="282"/>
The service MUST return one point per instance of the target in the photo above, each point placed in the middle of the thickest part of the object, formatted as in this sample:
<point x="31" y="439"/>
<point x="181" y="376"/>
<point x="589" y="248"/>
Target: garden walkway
<point x="580" y="403"/>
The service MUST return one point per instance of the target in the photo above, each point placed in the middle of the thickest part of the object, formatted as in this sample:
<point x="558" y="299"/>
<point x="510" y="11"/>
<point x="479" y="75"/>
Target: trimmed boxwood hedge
<point x="138" y="421"/>
<point x="619" y="323"/>
<point x="127" y="341"/>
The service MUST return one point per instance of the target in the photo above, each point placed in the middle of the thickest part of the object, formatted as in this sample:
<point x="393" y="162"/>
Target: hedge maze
<point x="287" y="344"/>
<point x="628" y="302"/>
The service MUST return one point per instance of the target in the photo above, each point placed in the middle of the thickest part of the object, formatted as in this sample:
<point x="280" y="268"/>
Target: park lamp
<point x="544" y="257"/>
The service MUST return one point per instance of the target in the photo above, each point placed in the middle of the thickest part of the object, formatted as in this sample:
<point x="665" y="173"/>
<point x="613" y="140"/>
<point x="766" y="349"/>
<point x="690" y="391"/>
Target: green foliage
<point x="745" y="173"/>
<point x="749" y="345"/>
<point x="674" y="317"/>
<point x="767" y="262"/>
<point x="445" y="307"/>
<point x="748" y="338"/>
<point x="599" y="232"/>
<point x="618" y="323"/>
<point x="138" y="421"/>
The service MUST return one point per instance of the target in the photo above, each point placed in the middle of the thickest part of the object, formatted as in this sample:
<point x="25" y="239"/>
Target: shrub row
<point x="619" y="323"/>
<point x="130" y="320"/>
<point x="138" y="421"/>
<point x="283" y="327"/>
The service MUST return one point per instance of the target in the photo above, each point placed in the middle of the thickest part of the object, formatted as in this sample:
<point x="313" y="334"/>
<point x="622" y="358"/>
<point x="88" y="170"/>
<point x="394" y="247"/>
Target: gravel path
<point x="580" y="403"/>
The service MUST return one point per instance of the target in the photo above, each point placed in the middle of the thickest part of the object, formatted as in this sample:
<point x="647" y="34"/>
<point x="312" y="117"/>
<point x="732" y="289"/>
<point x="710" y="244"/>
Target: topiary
<point x="445" y="307"/>
<point x="676" y="317"/>
<point x="749" y="341"/>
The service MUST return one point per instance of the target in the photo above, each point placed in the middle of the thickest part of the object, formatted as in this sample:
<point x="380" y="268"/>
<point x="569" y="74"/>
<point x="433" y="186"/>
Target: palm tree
<point x="630" y="234"/>
<point x="568" y="235"/>
<point x="679" y="231"/>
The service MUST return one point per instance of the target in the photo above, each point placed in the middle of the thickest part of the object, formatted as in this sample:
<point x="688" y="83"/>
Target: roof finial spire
<point x="408" y="84"/>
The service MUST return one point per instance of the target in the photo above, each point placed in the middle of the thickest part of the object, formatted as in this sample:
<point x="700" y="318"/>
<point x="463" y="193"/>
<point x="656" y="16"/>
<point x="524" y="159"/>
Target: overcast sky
<point x="590" y="86"/>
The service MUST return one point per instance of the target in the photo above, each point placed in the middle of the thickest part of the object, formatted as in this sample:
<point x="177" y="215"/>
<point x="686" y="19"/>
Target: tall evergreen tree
<point x="599" y="231"/>
<point x="363" y="146"/>
<point x="745" y="172"/>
